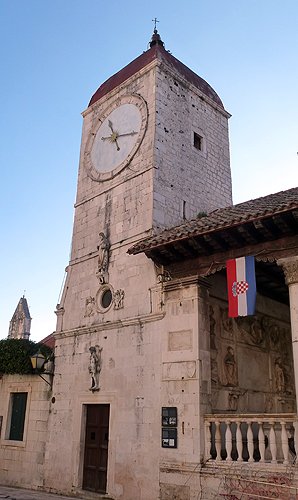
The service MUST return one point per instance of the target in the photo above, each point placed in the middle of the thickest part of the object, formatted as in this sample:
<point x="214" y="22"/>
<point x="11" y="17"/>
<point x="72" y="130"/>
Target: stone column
<point x="290" y="269"/>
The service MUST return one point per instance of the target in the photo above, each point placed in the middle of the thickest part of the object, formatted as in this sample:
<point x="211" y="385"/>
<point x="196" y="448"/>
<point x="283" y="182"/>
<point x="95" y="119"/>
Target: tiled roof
<point x="156" y="52"/>
<point x="48" y="341"/>
<point x="233" y="216"/>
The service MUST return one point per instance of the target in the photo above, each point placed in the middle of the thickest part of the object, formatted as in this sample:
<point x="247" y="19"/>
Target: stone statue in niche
<point x="89" y="306"/>
<point x="280" y="379"/>
<point x="103" y="259"/>
<point x="230" y="368"/>
<point x="95" y="367"/>
<point x="118" y="299"/>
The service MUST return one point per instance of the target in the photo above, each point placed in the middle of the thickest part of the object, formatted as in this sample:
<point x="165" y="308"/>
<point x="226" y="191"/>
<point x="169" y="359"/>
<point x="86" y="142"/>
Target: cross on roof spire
<point x="156" y="40"/>
<point x="155" y="20"/>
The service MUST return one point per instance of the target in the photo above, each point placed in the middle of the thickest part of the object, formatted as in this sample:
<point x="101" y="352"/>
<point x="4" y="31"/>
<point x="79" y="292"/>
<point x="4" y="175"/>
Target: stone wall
<point x="251" y="358"/>
<point x="129" y="383"/>
<point x="188" y="180"/>
<point x="22" y="462"/>
<point x="148" y="362"/>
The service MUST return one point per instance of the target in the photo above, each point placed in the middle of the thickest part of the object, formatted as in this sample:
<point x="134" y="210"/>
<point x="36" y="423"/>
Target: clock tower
<point x="154" y="152"/>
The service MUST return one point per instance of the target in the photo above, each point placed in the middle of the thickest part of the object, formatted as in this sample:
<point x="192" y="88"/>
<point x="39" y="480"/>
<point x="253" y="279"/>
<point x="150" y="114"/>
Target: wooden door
<point x="96" y="448"/>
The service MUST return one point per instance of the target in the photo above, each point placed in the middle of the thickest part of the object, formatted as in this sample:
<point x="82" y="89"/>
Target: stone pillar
<point x="290" y="269"/>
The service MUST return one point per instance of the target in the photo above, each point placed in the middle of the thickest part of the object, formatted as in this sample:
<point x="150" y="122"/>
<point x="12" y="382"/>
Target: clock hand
<point x="115" y="140"/>
<point x="128" y="133"/>
<point x="113" y="136"/>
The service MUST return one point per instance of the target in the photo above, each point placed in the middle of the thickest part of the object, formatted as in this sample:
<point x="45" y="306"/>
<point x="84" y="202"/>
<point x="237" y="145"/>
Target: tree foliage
<point x="15" y="355"/>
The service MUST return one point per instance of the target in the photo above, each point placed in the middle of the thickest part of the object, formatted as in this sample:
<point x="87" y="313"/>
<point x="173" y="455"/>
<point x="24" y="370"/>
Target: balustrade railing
<point x="263" y="439"/>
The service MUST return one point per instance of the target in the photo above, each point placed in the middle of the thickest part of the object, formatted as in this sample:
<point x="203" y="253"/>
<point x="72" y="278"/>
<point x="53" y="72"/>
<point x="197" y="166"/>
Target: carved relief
<point x="230" y="368"/>
<point x="95" y="367"/>
<point x="285" y="343"/>
<point x="266" y="340"/>
<point x="256" y="331"/>
<point x="89" y="306"/>
<point x="227" y="325"/>
<point x="103" y="259"/>
<point x="118" y="299"/>
<point x="182" y="370"/>
<point x="279" y="373"/>
<point x="212" y="323"/>
<point x="233" y="400"/>
<point x="274" y="334"/>
<point x="251" y="330"/>
<point x="214" y="368"/>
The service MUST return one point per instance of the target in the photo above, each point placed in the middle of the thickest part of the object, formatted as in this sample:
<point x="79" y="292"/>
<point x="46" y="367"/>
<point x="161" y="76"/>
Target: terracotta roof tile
<point x="155" y="52"/>
<point x="48" y="341"/>
<point x="234" y="215"/>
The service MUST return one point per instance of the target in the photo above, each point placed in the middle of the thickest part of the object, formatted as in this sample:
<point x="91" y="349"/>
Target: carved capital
<point x="290" y="269"/>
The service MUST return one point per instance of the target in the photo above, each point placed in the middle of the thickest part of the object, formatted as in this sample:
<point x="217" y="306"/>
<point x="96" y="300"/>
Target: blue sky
<point x="55" y="54"/>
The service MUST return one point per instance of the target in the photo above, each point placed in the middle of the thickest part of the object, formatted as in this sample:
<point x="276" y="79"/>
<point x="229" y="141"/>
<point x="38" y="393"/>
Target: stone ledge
<point x="109" y="325"/>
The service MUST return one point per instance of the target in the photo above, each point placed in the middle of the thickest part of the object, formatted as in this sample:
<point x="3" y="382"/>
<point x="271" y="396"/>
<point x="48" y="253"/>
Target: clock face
<point x="116" y="137"/>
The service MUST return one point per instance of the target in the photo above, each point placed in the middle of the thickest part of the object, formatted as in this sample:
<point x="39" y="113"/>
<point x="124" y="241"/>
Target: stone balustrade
<point x="264" y="438"/>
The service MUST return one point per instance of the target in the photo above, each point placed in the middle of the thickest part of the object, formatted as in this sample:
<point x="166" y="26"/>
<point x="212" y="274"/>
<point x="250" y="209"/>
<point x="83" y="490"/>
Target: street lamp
<point x="38" y="361"/>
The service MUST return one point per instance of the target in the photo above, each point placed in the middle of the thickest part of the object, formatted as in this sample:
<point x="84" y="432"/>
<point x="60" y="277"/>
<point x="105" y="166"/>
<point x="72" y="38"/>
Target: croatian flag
<point x="242" y="291"/>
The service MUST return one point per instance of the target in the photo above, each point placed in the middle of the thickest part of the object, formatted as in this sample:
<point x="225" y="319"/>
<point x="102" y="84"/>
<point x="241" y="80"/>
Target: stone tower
<point x="154" y="151"/>
<point x="20" y="324"/>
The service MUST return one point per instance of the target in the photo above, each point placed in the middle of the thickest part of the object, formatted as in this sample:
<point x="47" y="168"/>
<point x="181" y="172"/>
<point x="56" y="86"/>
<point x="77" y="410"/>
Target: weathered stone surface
<point x="174" y="492"/>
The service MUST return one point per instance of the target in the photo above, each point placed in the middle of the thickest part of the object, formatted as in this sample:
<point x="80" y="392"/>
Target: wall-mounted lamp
<point x="38" y="361"/>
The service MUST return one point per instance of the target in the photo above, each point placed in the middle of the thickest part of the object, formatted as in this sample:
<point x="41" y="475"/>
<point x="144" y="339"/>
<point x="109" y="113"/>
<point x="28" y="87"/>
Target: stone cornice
<point x="290" y="269"/>
<point x="109" y="325"/>
<point x="185" y="281"/>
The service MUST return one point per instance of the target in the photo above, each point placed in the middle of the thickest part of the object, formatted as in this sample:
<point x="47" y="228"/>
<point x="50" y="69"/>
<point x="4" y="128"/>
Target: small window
<point x="18" y="412"/>
<point x="106" y="298"/>
<point x="197" y="141"/>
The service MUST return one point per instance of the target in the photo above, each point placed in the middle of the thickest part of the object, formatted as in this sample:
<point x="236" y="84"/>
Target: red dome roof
<point x="156" y="52"/>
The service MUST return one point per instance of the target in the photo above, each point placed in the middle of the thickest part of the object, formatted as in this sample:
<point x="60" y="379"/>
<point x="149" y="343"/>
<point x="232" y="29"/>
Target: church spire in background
<point x="20" y="324"/>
